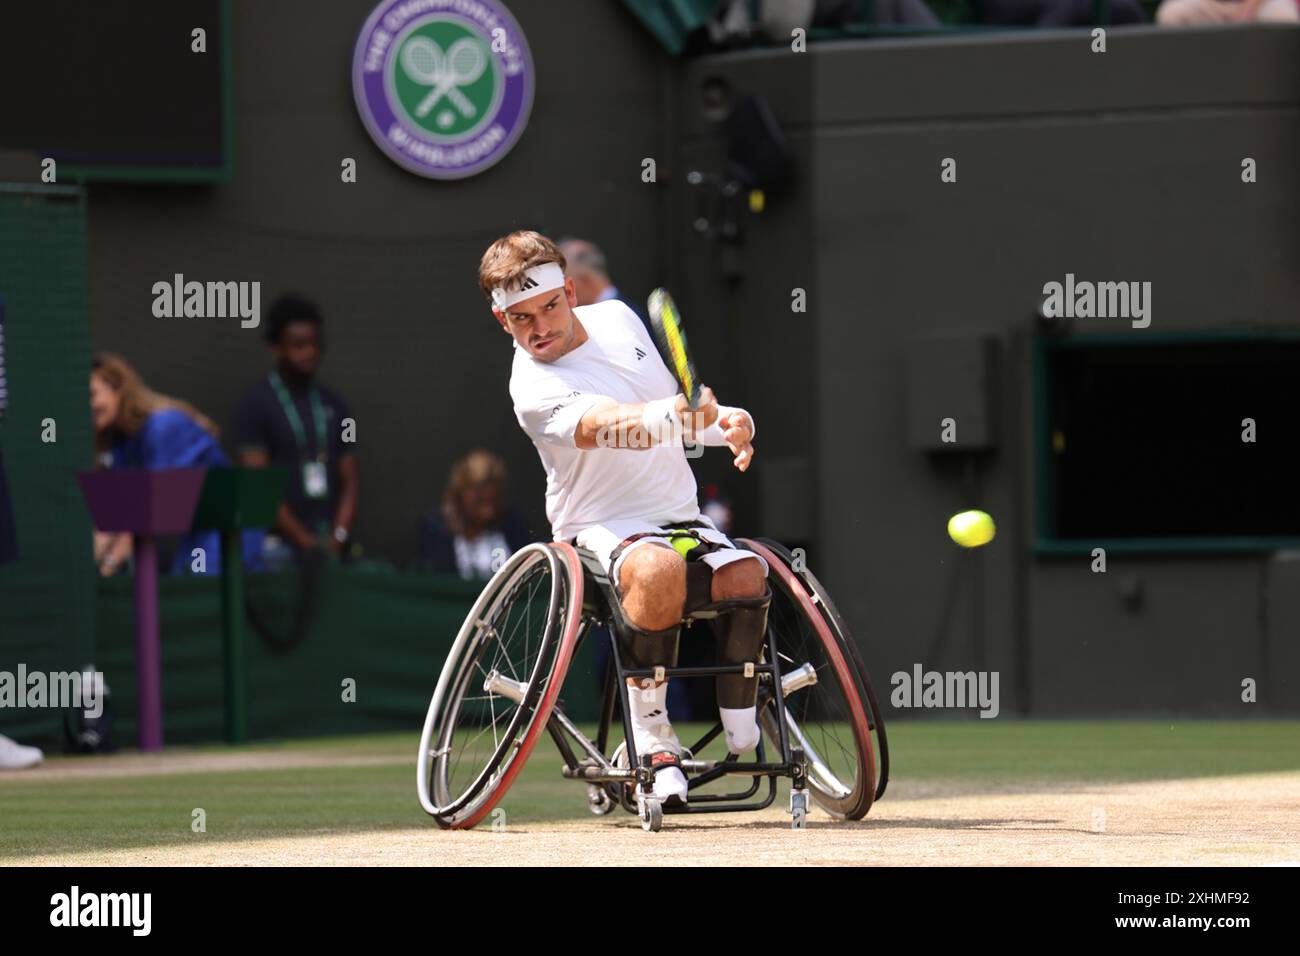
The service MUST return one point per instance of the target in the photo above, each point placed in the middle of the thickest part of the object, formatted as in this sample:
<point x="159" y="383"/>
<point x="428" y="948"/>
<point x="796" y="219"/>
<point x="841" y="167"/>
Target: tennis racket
<point x="670" y="337"/>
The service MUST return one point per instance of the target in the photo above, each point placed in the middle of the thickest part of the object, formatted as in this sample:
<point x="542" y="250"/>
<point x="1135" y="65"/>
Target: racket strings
<point x="422" y="61"/>
<point x="444" y="72"/>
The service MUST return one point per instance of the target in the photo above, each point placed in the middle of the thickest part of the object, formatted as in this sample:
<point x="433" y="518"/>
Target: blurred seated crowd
<point x="744" y="22"/>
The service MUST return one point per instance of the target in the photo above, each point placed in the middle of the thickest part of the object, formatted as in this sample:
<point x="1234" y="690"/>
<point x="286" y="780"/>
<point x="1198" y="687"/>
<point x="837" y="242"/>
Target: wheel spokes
<point x="506" y="646"/>
<point x="818" y="718"/>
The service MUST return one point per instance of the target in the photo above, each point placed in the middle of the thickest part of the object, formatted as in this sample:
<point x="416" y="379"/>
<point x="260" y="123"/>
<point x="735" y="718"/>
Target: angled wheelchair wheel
<point x="822" y="599"/>
<point x="499" y="684"/>
<point x="825" y="694"/>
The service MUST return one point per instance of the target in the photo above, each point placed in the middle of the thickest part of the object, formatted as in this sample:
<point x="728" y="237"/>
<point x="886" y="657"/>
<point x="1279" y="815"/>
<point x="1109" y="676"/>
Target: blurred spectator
<point x="1187" y="13"/>
<point x="585" y="265"/>
<point x="1055" y="13"/>
<point x="736" y="20"/>
<point x="292" y="421"/>
<point x="836" y="13"/>
<point x="135" y="427"/>
<point x="14" y="756"/>
<point x="475" y="530"/>
<point x="717" y="509"/>
<point x="8" y="535"/>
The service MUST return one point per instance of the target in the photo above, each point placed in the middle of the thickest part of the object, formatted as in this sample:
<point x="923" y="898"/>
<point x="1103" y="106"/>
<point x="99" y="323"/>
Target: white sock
<point x="741" y="728"/>
<point x="652" y="733"/>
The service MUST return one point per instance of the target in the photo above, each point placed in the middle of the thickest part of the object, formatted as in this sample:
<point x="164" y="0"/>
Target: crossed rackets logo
<point x="443" y="76"/>
<point x="462" y="64"/>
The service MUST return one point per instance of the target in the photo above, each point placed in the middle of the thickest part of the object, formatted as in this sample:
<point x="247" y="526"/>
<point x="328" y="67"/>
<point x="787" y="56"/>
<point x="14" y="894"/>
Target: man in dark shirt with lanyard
<point x="291" y="421"/>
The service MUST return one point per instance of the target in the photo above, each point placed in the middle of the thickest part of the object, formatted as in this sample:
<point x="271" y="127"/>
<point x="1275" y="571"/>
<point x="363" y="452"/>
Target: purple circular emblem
<point x="444" y="87"/>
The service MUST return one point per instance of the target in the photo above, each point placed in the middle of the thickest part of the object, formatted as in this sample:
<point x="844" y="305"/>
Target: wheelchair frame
<point x="628" y="782"/>
<point x="607" y="782"/>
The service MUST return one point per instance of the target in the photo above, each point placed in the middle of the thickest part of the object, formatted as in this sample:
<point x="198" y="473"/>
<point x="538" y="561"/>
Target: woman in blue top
<point x="135" y="427"/>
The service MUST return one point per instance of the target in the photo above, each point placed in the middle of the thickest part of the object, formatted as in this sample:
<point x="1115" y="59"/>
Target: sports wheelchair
<point x="499" y="692"/>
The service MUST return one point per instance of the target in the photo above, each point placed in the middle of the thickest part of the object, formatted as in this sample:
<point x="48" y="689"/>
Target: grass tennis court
<point x="1104" y="791"/>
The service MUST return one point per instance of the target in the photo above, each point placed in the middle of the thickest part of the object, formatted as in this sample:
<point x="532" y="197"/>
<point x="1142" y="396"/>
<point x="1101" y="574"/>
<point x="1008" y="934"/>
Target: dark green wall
<point x="1123" y="165"/>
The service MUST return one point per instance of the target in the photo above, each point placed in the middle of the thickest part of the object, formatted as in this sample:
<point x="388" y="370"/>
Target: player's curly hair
<point x="509" y="257"/>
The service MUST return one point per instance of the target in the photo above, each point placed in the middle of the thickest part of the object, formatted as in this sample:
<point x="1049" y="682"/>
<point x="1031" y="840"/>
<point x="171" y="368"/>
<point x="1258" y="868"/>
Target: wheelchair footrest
<point x="599" y="774"/>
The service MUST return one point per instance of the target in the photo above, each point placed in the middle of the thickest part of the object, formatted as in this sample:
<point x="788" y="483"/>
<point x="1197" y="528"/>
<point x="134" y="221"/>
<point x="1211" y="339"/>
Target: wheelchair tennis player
<point x="604" y="412"/>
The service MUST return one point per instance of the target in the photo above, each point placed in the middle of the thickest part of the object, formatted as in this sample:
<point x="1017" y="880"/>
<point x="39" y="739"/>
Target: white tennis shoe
<point x="14" y="756"/>
<point x="653" y="734"/>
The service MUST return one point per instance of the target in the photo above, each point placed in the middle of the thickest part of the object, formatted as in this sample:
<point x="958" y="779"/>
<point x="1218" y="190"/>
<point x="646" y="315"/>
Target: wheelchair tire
<point x="822" y="599"/>
<point x="536" y="595"/>
<point x="827" y="719"/>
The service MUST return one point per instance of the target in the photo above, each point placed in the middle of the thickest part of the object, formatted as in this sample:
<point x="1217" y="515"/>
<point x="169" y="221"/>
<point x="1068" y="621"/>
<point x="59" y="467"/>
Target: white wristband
<point x="659" y="419"/>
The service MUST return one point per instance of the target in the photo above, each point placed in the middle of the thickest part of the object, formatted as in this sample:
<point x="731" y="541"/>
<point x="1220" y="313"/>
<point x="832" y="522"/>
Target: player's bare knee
<point x="739" y="579"/>
<point x="653" y="582"/>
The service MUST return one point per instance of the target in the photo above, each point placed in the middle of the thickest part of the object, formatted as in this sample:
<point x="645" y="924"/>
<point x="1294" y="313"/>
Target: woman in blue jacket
<point x="135" y="427"/>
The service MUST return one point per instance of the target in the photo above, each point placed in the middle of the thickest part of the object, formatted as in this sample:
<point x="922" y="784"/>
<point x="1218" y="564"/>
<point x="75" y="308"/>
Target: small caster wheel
<point x="652" y="816"/>
<point x="598" y="799"/>
<point x="798" y="809"/>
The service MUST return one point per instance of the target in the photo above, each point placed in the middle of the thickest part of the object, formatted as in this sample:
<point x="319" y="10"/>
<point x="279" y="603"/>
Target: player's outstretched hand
<point x="702" y="416"/>
<point x="739" y="433"/>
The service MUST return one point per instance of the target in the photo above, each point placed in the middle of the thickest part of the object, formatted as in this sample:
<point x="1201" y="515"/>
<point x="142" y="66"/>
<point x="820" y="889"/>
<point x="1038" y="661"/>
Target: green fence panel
<point x="47" y="594"/>
<point x="387" y="632"/>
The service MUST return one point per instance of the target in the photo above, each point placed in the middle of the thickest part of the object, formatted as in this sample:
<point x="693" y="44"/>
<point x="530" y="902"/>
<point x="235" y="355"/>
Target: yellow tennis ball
<point x="971" y="529"/>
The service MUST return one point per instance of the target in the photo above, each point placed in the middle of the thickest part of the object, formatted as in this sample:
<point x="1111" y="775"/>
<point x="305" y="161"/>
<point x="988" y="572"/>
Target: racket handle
<point x="462" y="102"/>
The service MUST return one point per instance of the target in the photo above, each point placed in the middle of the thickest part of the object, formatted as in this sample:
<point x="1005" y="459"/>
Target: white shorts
<point x="603" y="539"/>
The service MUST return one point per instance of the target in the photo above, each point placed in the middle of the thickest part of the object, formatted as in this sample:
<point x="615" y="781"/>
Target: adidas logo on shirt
<point x="640" y="354"/>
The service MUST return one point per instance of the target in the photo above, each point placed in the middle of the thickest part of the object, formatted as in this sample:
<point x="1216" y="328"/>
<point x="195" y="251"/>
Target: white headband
<point x="536" y="280"/>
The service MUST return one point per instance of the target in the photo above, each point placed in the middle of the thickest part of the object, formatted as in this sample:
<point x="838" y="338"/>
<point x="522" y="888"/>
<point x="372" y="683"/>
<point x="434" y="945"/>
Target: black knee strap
<point x="740" y="634"/>
<point x="640" y="648"/>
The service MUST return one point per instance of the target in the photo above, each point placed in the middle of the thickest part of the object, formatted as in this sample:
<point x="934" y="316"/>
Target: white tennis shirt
<point x="591" y="487"/>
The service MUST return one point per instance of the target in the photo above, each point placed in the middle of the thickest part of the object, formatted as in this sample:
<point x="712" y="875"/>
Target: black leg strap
<point x="740" y="634"/>
<point x="640" y="648"/>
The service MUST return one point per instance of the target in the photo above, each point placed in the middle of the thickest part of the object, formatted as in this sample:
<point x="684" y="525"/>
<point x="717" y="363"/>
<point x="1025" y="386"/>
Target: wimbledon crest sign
<point x="444" y="87"/>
